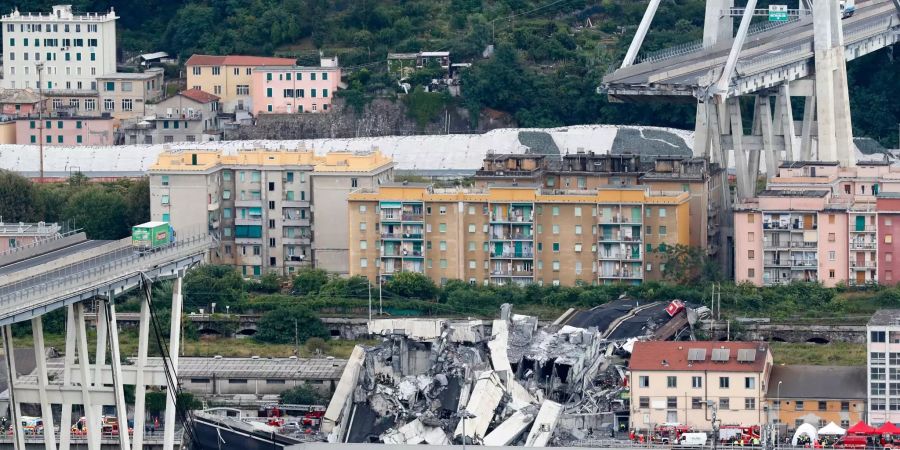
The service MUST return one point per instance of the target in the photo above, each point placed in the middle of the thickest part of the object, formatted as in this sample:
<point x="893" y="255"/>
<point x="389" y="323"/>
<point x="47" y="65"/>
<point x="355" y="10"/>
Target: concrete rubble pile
<point x="515" y="382"/>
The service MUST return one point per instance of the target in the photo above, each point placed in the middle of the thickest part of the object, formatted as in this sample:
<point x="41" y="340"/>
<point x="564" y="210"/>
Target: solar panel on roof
<point x="746" y="355"/>
<point x="721" y="354"/>
<point x="696" y="354"/>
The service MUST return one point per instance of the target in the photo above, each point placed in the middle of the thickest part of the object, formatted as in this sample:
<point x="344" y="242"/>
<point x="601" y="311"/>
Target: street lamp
<point x="464" y="414"/>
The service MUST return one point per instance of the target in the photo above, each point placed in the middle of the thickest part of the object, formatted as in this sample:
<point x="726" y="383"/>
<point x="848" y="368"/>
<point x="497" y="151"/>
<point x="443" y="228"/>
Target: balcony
<point x="512" y="237"/>
<point x="296" y="222"/>
<point x="513" y="273"/>
<point x="513" y="255"/>
<point x="618" y="237"/>
<point x="775" y="226"/>
<point x="412" y="217"/>
<point x="804" y="263"/>
<point x="248" y="220"/>
<point x="863" y="265"/>
<point x="799" y="244"/>
<point x="296" y="239"/>
<point x="863" y="245"/>
<point x="865" y="229"/>
<point x="769" y="244"/>
<point x="212" y="206"/>
<point x="285" y="203"/>
<point x="248" y="202"/>
<point x="512" y="218"/>
<point x="628" y="274"/>
<point x="388" y="217"/>
<point x="402" y="236"/>
<point x="620" y="219"/>
<point x="776" y="263"/>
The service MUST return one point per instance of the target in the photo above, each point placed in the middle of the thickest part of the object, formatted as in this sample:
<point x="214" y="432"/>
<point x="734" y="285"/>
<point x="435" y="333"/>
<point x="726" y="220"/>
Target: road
<point x="686" y="70"/>
<point x="47" y="257"/>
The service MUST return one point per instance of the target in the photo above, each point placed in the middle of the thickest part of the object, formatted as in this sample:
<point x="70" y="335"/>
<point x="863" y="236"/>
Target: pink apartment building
<point x="65" y="130"/>
<point x="888" y="236"/>
<point x="288" y="90"/>
<point x="816" y="222"/>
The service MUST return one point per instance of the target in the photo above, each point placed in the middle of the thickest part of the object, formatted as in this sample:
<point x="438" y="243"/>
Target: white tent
<point x="832" y="429"/>
<point x="806" y="429"/>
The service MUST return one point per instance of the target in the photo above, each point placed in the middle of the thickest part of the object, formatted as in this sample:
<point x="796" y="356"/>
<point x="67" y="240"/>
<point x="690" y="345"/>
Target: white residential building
<point x="73" y="50"/>
<point x="883" y="349"/>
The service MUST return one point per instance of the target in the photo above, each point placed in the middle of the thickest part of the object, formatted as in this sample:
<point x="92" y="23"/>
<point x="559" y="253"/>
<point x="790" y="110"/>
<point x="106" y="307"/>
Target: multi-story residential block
<point x="678" y="382"/>
<point x="516" y="234"/>
<point x="817" y="395"/>
<point x="702" y="180"/>
<point x="271" y="210"/>
<point x="14" y="235"/>
<point x="293" y="89"/>
<point x="188" y="116"/>
<point x="883" y="367"/>
<point x="65" y="130"/>
<point x="818" y="222"/>
<point x="70" y="51"/>
<point x="125" y="95"/>
<point x="228" y="77"/>
<point x="888" y="213"/>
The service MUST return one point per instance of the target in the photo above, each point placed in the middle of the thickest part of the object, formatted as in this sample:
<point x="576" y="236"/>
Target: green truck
<point x="152" y="235"/>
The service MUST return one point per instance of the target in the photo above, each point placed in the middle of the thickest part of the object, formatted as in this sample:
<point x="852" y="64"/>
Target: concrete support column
<point x="116" y="365"/>
<point x="65" y="423"/>
<point x="809" y="115"/>
<point x="785" y="118"/>
<point x="100" y="350"/>
<point x="37" y="334"/>
<point x="12" y="376"/>
<point x="93" y="422"/>
<point x="717" y="27"/>
<point x="174" y="341"/>
<point x="744" y="190"/>
<point x="140" y="389"/>
<point x="773" y="157"/>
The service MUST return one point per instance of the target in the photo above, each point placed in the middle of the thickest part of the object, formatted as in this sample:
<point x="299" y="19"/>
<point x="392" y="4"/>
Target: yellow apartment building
<point x="515" y="234"/>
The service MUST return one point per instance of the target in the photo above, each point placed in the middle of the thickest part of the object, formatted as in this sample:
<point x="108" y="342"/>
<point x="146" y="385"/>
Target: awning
<point x="861" y="428"/>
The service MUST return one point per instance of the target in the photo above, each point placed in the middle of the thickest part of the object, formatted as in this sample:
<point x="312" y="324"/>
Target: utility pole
<point x="296" y="339"/>
<point x="40" y="71"/>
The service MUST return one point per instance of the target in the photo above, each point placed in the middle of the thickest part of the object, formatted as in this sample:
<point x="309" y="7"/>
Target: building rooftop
<point x="521" y="194"/>
<point x="238" y="60"/>
<point x="60" y="12"/>
<point x="199" y="96"/>
<point x="800" y="164"/>
<point x="132" y="75"/>
<point x="789" y="193"/>
<point x="885" y="317"/>
<point x="818" y="382"/>
<point x="19" y="96"/>
<point x="272" y="368"/>
<point x="334" y="162"/>
<point x="699" y="356"/>
<point x="293" y="67"/>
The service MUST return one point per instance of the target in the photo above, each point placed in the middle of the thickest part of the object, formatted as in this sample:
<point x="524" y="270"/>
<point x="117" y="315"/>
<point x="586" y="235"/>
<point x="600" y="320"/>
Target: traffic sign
<point x="778" y="13"/>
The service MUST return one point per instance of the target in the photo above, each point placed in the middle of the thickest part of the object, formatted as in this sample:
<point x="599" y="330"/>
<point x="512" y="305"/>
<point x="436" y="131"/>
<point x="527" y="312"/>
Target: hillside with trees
<point x="550" y="54"/>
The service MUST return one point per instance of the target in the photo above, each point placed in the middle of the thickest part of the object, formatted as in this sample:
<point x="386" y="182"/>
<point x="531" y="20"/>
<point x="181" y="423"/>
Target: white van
<point x="692" y="440"/>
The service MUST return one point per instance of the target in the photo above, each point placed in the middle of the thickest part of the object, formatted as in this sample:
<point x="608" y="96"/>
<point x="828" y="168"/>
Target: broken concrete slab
<point x="544" y="425"/>
<point x="511" y="429"/>
<point x="485" y="398"/>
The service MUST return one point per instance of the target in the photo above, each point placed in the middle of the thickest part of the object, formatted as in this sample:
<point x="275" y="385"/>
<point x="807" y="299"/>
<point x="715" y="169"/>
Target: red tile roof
<point x="238" y="60"/>
<point x="673" y="356"/>
<point x="199" y="96"/>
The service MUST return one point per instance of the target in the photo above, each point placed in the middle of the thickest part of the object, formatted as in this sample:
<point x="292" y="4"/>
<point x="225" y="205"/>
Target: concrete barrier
<point x="65" y="261"/>
<point x="44" y="247"/>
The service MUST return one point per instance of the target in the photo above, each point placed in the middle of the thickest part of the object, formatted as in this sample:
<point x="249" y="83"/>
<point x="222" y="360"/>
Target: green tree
<point x="210" y="284"/>
<point x="424" y="107"/>
<point x="411" y="285"/>
<point x="269" y="283"/>
<point x="301" y="395"/>
<point x="280" y="326"/>
<point x="138" y="200"/>
<point x="102" y="214"/>
<point x="18" y="196"/>
<point x="309" y="281"/>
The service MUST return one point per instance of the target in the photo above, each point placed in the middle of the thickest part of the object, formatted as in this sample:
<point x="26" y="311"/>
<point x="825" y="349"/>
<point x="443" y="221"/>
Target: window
<point x="110" y="86"/>
<point x="443" y="246"/>
<point x="876" y="358"/>
<point x="662" y="230"/>
<point x="363" y="262"/>
<point x="354" y="182"/>
<point x="362" y="226"/>
<point x="877" y="336"/>
<point x="798" y="405"/>
<point x="556" y="266"/>
<point x="577" y="229"/>
<point x="442" y="228"/>
<point x="577" y="211"/>
<point x="443" y="264"/>
<point x="312" y="76"/>
<point x="109" y="104"/>
<point x="888" y="239"/>
<point x="878" y="388"/>
<point x="696" y="403"/>
<point x="749" y="383"/>
<point x="831" y="273"/>
<point x="644" y="381"/>
<point x="127" y="104"/>
<point x="845" y="406"/>
<point x="555" y="229"/>
<point x="556" y="247"/>
<point x="697" y="382"/>
<point x="243" y="89"/>
<point x="823" y="406"/>
<point x="751" y="236"/>
<point x="237" y="381"/>
<point x="556" y="210"/>
<point x="662" y="212"/>
<point x="324" y="92"/>
<point x="750" y="403"/>
<point x="832" y="255"/>
<point x="165" y="200"/>
<point x="672" y="402"/>
<point x="644" y="402"/>
<point x="724" y="403"/>
<point x="724" y="382"/>
<point x="671" y="382"/>
<point x="751" y="254"/>
<point x="442" y="210"/>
